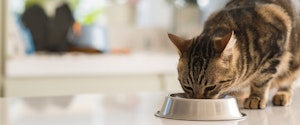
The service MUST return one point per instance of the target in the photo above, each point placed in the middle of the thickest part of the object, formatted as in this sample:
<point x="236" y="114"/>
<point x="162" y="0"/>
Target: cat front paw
<point x="254" y="102"/>
<point x="282" y="99"/>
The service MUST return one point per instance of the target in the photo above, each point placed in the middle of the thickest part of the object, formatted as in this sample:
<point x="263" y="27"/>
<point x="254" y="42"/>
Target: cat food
<point x="175" y="107"/>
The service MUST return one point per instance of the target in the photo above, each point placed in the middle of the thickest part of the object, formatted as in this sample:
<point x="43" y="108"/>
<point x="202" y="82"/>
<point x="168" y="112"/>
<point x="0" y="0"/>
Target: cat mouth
<point x="203" y="97"/>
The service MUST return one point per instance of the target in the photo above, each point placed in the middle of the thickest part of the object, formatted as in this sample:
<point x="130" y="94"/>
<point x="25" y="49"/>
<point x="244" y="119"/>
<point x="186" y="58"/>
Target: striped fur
<point x="248" y="44"/>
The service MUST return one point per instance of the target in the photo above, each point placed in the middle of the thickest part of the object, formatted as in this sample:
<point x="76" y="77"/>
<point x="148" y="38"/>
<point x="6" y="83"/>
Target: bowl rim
<point x="182" y="98"/>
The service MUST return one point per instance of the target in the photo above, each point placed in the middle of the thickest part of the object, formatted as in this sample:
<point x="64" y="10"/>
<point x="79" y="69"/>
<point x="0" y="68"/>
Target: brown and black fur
<point x="248" y="44"/>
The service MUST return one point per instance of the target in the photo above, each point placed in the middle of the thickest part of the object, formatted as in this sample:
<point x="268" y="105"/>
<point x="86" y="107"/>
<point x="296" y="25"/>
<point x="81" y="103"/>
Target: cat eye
<point x="210" y="88"/>
<point x="224" y="81"/>
<point x="188" y="88"/>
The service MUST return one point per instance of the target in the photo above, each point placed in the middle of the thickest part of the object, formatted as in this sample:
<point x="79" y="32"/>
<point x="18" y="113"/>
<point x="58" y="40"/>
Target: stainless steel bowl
<point x="176" y="106"/>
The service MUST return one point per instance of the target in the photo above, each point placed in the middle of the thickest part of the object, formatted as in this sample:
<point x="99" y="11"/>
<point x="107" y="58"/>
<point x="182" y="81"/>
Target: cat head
<point x="207" y="64"/>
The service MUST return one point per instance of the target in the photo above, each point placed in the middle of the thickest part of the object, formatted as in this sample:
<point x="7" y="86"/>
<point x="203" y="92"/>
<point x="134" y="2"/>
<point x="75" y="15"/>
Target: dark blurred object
<point x="35" y="19"/>
<point x="51" y="34"/>
<point x="60" y="25"/>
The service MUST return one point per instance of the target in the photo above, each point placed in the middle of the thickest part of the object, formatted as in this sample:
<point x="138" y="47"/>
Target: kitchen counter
<point x="73" y="64"/>
<point x="123" y="109"/>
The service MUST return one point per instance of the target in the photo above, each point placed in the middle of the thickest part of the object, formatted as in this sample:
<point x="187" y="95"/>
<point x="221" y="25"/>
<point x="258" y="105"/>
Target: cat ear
<point x="226" y="43"/>
<point x="181" y="44"/>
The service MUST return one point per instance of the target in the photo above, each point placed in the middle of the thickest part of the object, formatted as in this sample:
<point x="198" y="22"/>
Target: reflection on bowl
<point x="176" y="106"/>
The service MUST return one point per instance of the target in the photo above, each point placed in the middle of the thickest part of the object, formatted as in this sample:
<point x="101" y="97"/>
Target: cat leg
<point x="240" y="96"/>
<point x="258" y="93"/>
<point x="283" y="97"/>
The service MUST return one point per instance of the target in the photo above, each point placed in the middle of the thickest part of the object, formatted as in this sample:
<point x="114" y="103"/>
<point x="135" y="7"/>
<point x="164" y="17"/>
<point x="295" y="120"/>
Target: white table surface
<point x="123" y="109"/>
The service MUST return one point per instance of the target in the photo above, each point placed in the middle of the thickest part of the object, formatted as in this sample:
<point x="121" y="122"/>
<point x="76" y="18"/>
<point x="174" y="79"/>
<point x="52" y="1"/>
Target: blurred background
<point x="66" y="47"/>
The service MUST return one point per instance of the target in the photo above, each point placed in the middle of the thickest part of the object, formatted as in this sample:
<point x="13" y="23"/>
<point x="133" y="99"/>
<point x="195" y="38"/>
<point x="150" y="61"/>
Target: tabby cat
<point x="249" y="44"/>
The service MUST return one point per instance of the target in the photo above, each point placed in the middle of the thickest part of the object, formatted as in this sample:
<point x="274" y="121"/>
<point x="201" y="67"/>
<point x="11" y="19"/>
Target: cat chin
<point x="223" y="96"/>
